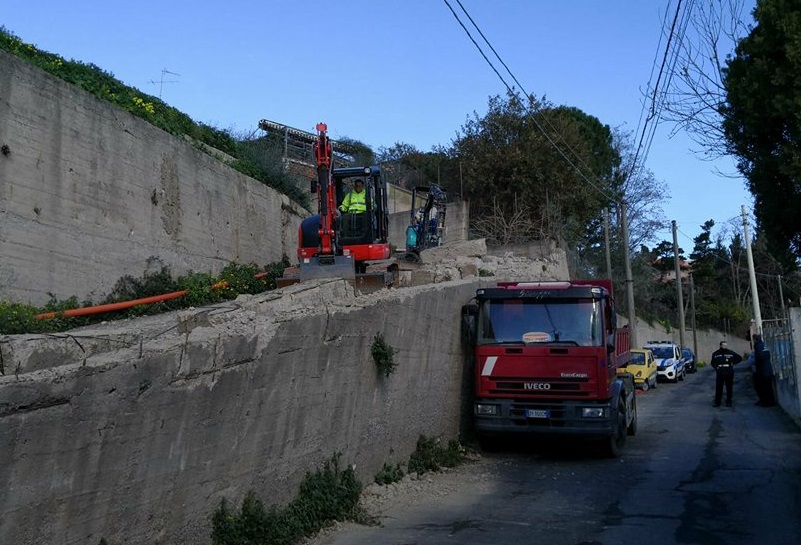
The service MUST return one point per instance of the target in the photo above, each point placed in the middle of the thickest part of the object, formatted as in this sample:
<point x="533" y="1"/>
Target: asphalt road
<point x="694" y="474"/>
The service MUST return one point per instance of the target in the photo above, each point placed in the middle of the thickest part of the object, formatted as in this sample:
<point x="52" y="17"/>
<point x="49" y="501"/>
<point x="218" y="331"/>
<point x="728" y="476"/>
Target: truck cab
<point x="546" y="356"/>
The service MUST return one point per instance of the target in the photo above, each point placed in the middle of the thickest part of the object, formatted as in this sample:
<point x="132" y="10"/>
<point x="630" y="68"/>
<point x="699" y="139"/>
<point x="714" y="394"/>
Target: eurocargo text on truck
<point x="546" y="356"/>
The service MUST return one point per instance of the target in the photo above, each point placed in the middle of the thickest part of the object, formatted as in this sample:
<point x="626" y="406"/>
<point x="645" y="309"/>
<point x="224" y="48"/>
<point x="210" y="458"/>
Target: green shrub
<point x="16" y="318"/>
<point x="383" y="355"/>
<point x="201" y="289"/>
<point x="430" y="455"/>
<point x="325" y="495"/>
<point x="389" y="474"/>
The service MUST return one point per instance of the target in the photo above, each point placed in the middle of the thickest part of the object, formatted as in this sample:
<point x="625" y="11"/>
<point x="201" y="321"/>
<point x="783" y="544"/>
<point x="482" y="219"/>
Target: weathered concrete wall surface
<point x="90" y="193"/>
<point x="135" y="434"/>
<point x="135" y="430"/>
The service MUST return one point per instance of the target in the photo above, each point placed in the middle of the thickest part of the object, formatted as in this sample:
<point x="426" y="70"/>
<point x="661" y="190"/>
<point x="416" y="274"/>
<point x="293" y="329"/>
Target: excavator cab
<point x="356" y="239"/>
<point x="370" y="227"/>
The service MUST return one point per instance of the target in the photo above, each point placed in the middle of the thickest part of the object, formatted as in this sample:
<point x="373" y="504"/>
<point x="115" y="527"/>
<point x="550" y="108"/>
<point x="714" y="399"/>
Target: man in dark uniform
<point x="723" y="362"/>
<point x="763" y="374"/>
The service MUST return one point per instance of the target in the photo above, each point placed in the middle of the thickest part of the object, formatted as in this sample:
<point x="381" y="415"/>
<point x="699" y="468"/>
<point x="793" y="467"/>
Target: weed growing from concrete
<point x="383" y="355"/>
<point x="389" y="474"/>
<point x="329" y="494"/>
<point x="431" y="455"/>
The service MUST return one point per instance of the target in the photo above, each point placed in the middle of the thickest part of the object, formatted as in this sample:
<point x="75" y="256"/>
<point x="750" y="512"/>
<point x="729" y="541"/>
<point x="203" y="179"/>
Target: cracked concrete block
<point x="454" y="250"/>
<point x="468" y="270"/>
<point x="422" y="277"/>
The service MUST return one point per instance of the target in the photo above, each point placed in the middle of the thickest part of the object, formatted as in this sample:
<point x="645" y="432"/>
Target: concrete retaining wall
<point x="136" y="431"/>
<point x="90" y="193"/>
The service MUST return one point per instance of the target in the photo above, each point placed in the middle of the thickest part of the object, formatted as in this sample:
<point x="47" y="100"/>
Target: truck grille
<point x="537" y="388"/>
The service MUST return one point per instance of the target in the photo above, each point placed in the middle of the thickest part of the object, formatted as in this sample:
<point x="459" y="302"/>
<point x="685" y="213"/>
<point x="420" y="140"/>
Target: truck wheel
<point x="645" y="386"/>
<point x="632" y="429"/>
<point x="615" y="443"/>
<point x="655" y="383"/>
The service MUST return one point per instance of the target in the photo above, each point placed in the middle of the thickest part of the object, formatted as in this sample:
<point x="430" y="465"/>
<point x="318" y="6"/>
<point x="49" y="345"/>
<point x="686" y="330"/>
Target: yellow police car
<point x="643" y="367"/>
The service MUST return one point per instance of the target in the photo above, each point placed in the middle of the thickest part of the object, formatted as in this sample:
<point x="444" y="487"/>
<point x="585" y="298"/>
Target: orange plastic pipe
<point x="99" y="309"/>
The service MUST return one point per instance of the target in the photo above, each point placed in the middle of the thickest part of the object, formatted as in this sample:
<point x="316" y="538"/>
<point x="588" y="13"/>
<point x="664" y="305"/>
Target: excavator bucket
<point x="334" y="266"/>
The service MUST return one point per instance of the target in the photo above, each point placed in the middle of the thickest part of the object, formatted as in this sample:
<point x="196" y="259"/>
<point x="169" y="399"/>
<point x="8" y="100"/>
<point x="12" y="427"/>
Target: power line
<point x="648" y="128"/>
<point x="509" y="88"/>
<point x="520" y="85"/>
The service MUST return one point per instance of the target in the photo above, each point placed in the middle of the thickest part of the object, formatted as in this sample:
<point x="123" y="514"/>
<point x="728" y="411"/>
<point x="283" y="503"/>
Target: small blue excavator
<point x="427" y="221"/>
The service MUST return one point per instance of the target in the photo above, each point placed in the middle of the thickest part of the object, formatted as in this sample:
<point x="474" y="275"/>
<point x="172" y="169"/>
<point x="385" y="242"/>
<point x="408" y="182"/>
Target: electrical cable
<point x="520" y="85"/>
<point x="656" y="105"/>
<point x="509" y="88"/>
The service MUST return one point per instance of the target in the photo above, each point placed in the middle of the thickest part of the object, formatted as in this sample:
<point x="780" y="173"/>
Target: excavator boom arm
<point x="326" y="190"/>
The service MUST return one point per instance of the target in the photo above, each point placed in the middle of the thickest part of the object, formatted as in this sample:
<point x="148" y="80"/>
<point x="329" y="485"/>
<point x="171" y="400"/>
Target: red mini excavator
<point x="334" y="245"/>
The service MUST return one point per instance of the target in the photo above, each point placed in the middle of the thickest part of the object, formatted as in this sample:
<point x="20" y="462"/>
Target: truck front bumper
<point x="506" y="417"/>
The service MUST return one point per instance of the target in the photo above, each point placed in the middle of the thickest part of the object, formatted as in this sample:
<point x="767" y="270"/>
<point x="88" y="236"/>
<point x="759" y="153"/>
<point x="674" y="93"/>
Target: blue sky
<point x="385" y="72"/>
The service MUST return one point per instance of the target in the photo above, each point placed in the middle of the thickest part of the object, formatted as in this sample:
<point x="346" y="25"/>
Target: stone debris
<point x="472" y="258"/>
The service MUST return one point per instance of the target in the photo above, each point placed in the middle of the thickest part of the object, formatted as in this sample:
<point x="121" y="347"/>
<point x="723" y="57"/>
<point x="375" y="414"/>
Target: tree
<point x="762" y="120"/>
<point x="643" y="193"/>
<point x="703" y="255"/>
<point x="696" y="89"/>
<point x="644" y="196"/>
<point x="557" y="163"/>
<point x="361" y="153"/>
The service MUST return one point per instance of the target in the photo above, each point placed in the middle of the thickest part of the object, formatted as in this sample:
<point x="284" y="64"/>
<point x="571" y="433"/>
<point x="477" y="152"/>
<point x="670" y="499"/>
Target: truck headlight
<point x="486" y="410"/>
<point x="593" y="412"/>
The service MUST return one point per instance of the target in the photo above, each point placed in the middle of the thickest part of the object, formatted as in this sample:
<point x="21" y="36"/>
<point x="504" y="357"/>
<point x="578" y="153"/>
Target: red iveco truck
<point x="546" y="356"/>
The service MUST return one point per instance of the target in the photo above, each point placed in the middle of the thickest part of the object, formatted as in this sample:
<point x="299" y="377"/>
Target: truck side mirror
<point x="610" y="343"/>
<point x="469" y="316"/>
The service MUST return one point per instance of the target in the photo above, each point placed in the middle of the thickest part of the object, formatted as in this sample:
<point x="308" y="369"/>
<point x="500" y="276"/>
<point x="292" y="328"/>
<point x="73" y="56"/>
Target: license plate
<point x="537" y="413"/>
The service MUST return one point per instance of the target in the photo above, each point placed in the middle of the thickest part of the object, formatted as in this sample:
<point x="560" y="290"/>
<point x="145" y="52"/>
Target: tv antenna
<point x="162" y="81"/>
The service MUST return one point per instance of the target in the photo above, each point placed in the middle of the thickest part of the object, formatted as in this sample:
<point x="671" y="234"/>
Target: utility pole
<point x="679" y="295"/>
<point x="752" y="275"/>
<point x="692" y="316"/>
<point x="781" y="298"/>
<point x="461" y="181"/>
<point x="606" y="240"/>
<point x="624" y="223"/>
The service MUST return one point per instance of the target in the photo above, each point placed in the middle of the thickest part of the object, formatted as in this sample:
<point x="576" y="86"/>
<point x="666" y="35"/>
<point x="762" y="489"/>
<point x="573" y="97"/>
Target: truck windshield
<point x="575" y="322"/>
